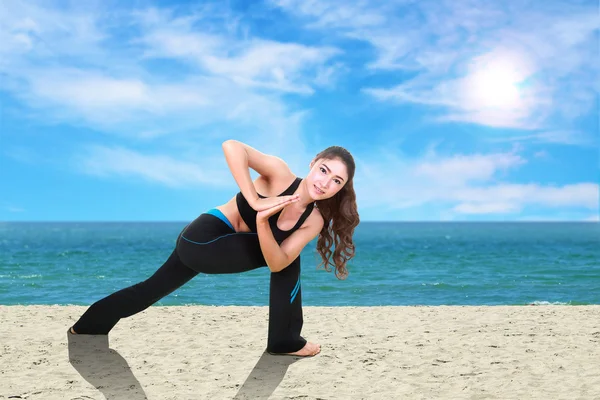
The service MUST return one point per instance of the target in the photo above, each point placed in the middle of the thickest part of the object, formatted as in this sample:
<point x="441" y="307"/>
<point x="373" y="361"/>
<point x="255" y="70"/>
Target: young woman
<point x="267" y="223"/>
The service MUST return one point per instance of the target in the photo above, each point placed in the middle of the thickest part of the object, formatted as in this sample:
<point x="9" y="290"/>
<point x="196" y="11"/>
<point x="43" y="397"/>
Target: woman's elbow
<point x="277" y="267"/>
<point x="274" y="269"/>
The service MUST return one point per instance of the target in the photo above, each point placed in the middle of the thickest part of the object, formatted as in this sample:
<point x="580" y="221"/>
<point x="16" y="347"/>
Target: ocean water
<point x="396" y="263"/>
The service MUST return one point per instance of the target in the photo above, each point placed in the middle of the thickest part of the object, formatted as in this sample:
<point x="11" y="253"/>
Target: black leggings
<point x="104" y="314"/>
<point x="209" y="245"/>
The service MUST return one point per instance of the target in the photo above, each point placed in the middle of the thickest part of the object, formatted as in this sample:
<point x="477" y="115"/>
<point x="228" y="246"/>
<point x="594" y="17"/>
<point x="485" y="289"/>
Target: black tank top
<point x="248" y="214"/>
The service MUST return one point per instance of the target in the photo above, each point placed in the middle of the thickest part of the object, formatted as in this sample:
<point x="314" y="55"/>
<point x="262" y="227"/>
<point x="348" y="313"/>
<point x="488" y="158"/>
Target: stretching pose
<point x="267" y="223"/>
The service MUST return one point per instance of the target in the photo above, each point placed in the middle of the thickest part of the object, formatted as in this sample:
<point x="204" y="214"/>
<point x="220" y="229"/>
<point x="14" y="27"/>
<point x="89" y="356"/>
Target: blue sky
<point x="453" y="110"/>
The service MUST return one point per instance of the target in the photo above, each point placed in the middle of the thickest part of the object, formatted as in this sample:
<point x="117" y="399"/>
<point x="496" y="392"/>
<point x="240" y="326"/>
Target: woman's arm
<point x="274" y="256"/>
<point x="240" y="157"/>
<point x="237" y="160"/>
<point x="279" y="257"/>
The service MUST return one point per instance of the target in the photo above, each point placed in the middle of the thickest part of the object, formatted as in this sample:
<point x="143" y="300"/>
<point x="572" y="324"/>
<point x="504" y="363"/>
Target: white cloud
<point x="551" y="51"/>
<point x="32" y="31"/>
<point x="564" y="137"/>
<point x="287" y="67"/>
<point x="206" y="168"/>
<point x="460" y="185"/>
<point x="559" y="217"/>
<point x="108" y="161"/>
<point x="326" y="14"/>
<point x="148" y="109"/>
<point x="486" y="208"/>
<point x="460" y="169"/>
<point x="71" y="65"/>
<point x="570" y="195"/>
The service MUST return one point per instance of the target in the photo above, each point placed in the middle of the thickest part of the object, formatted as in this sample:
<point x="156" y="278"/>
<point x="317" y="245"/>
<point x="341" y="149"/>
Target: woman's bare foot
<point x="72" y="331"/>
<point x="309" y="349"/>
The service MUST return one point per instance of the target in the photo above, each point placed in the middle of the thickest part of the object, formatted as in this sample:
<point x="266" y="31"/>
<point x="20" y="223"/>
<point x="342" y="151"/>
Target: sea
<point x="395" y="264"/>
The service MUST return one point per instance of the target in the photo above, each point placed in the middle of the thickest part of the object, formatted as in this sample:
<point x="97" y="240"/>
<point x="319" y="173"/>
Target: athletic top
<point x="248" y="214"/>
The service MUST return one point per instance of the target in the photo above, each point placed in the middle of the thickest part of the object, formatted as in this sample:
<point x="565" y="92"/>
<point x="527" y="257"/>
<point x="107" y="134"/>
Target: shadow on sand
<point x="265" y="377"/>
<point x="103" y="367"/>
<point x="107" y="370"/>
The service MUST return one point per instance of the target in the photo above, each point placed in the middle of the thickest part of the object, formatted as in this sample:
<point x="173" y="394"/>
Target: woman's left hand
<point x="264" y="215"/>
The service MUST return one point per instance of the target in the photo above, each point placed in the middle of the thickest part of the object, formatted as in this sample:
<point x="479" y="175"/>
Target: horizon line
<point x="368" y="221"/>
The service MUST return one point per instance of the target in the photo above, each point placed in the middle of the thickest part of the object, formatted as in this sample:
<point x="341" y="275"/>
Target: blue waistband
<point x="217" y="213"/>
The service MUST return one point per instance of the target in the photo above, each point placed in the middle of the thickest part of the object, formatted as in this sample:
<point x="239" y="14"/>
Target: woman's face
<point x="326" y="178"/>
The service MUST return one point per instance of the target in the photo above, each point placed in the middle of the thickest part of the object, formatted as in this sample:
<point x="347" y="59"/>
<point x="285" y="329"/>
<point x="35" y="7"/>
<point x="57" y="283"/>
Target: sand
<point x="203" y="352"/>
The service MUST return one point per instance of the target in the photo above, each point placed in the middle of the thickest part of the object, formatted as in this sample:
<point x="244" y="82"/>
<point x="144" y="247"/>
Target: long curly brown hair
<point x="341" y="217"/>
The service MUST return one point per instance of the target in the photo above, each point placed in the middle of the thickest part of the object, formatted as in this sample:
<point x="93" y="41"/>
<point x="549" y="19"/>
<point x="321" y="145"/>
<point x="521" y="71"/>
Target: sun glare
<point x="495" y="87"/>
<point x="494" y="82"/>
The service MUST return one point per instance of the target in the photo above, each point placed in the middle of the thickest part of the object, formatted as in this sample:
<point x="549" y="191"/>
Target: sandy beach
<point x="201" y="352"/>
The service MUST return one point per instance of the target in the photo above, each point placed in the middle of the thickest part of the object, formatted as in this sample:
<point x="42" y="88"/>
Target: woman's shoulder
<point x="315" y="218"/>
<point x="275" y="184"/>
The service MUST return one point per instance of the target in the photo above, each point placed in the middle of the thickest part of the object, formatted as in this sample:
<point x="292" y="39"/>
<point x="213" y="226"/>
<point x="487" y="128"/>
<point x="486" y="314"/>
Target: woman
<point x="267" y="223"/>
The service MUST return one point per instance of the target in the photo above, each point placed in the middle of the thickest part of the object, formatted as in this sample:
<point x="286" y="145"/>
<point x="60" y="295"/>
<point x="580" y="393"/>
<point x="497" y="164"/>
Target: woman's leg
<point x="285" y="310"/>
<point x="104" y="314"/>
<point x="211" y="246"/>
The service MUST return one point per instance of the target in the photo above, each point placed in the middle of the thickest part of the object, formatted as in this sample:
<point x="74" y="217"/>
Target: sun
<point x="496" y="86"/>
<point x="494" y="82"/>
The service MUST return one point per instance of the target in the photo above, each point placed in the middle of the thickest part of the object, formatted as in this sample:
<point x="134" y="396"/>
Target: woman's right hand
<point x="262" y="204"/>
